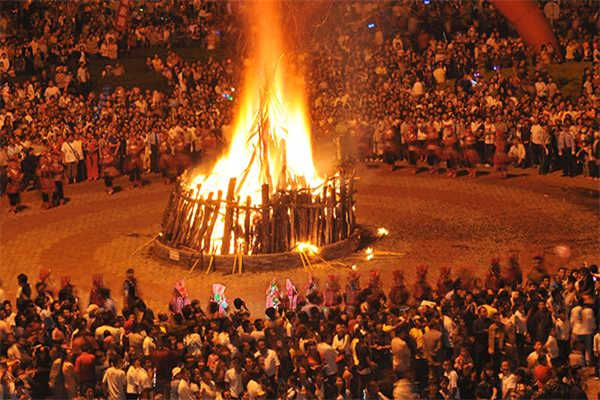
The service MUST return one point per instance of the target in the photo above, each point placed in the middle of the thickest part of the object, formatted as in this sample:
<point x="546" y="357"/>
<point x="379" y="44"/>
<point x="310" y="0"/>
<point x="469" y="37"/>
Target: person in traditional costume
<point x="422" y="290"/>
<point x="15" y="177"/>
<point x="134" y="163"/>
<point x="471" y="156"/>
<point x="501" y="159"/>
<point x="180" y="298"/>
<point x="46" y="177"/>
<point x="58" y="173"/>
<point x="432" y="150"/>
<point x="109" y="171"/>
<point x="352" y="292"/>
<point x="332" y="296"/>
<point x="399" y="294"/>
<point x="97" y="291"/>
<point x="181" y="155"/>
<point x="166" y="163"/>
<point x="414" y="151"/>
<point x="444" y="283"/>
<point x="91" y="159"/>
<point x="292" y="295"/>
<point x="273" y="300"/>
<point x="450" y="153"/>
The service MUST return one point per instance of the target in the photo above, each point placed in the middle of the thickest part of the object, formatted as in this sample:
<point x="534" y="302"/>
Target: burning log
<point x="229" y="210"/>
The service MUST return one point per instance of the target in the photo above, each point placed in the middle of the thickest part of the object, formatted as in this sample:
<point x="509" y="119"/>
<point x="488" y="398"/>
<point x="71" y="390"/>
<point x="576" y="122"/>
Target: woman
<point x="91" y="159"/>
<point x="501" y="159"/>
<point x="134" y="163"/>
<point x="58" y="172"/>
<point x="13" y="188"/>
<point x="45" y="175"/>
<point x="109" y="172"/>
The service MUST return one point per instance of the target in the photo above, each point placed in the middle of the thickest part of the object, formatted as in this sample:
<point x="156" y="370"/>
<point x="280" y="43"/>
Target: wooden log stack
<point x="234" y="226"/>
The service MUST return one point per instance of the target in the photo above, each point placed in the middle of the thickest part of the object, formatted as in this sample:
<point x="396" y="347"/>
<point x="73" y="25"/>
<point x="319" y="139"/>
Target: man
<point x="130" y="289"/>
<point x="114" y="381"/>
<point x="517" y="154"/>
<point x="70" y="158"/>
<point x="85" y="369"/>
<point x="566" y="151"/>
<point x="539" y="147"/>
<point x="508" y="379"/>
<point x="538" y="272"/>
<point x="270" y="361"/>
<point x="184" y="388"/>
<point x="233" y="378"/>
<point x="452" y="376"/>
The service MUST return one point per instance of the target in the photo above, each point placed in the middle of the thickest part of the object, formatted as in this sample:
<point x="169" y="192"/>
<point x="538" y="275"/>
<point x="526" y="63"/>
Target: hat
<point x="176" y="371"/>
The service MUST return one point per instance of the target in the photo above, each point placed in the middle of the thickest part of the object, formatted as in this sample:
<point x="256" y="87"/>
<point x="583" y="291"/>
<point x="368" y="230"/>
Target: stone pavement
<point x="432" y="220"/>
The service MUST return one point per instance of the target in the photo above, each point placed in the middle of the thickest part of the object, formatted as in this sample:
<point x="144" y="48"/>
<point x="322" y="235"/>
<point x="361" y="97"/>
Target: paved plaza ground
<point x="432" y="220"/>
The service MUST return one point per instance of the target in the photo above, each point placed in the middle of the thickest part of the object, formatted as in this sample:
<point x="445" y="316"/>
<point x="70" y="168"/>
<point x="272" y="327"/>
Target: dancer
<point x="501" y="159"/>
<point x="166" y="163"/>
<point x="109" y="172"/>
<point x="91" y="160"/>
<point x="13" y="188"/>
<point x="450" y="153"/>
<point x="44" y="172"/>
<point x="471" y="156"/>
<point x="413" y="148"/>
<point x="432" y="148"/>
<point x="58" y="175"/>
<point x="134" y="162"/>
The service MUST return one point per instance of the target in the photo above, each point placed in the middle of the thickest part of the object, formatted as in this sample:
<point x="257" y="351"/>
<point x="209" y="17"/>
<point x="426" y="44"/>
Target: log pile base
<point x="257" y="262"/>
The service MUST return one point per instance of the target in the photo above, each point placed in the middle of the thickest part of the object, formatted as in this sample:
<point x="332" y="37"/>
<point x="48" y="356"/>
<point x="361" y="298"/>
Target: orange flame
<point x="271" y="141"/>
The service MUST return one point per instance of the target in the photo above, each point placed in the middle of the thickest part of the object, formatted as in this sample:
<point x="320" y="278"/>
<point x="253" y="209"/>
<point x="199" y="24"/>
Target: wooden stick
<point x="247" y="226"/>
<point x="226" y="244"/>
<point x="265" y="219"/>
<point x="211" y="225"/>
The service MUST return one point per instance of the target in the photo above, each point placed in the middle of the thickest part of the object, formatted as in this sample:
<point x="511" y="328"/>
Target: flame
<point x="369" y="253"/>
<point x="304" y="247"/>
<point x="381" y="232"/>
<point x="271" y="141"/>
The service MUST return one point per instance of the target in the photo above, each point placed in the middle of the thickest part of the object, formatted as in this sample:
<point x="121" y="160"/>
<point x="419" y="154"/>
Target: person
<point x="114" y="381"/>
<point x="134" y="160"/>
<point x="109" y="172"/>
<point x="71" y="155"/>
<point x="45" y="175"/>
<point x="566" y="151"/>
<point x="91" y="158"/>
<point x="13" y="188"/>
<point x="130" y="290"/>
<point x="501" y="159"/>
<point x="471" y="155"/>
<point x="517" y="154"/>
<point x="58" y="174"/>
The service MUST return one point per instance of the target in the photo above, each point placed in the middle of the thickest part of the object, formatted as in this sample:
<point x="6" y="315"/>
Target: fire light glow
<point x="271" y="141"/>
<point x="303" y="247"/>
<point x="369" y="253"/>
<point x="381" y="232"/>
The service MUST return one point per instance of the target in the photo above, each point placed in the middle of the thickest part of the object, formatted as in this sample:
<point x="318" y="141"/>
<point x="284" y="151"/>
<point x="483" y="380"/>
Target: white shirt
<point x="453" y="382"/>
<point x="508" y="382"/>
<point x="328" y="356"/>
<point x="582" y="321"/>
<point x="116" y="381"/>
<point x="234" y="379"/>
<point x="148" y="345"/>
<point x="116" y="333"/>
<point x="184" y="391"/>
<point x="193" y="344"/>
<point x="135" y="379"/>
<point x="271" y="361"/>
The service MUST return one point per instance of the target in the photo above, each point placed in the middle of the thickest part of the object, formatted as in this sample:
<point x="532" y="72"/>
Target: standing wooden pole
<point x="211" y="225"/>
<point x="247" y="244"/>
<point x="266" y="236"/>
<point x="226" y="244"/>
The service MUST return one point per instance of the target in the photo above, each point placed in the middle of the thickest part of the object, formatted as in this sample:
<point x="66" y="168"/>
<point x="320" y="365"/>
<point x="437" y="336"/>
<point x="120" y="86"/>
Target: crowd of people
<point x="506" y="336"/>
<point x="415" y="81"/>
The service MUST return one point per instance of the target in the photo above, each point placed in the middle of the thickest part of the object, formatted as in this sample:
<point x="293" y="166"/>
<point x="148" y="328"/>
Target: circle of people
<point x="421" y="82"/>
<point x="504" y="337"/>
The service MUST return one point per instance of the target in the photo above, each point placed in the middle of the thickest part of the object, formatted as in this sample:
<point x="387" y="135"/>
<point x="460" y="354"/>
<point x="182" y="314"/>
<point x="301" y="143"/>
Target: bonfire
<point x="264" y="195"/>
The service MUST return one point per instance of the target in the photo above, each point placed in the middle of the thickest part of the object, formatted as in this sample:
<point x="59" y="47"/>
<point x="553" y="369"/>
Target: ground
<point x="432" y="220"/>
